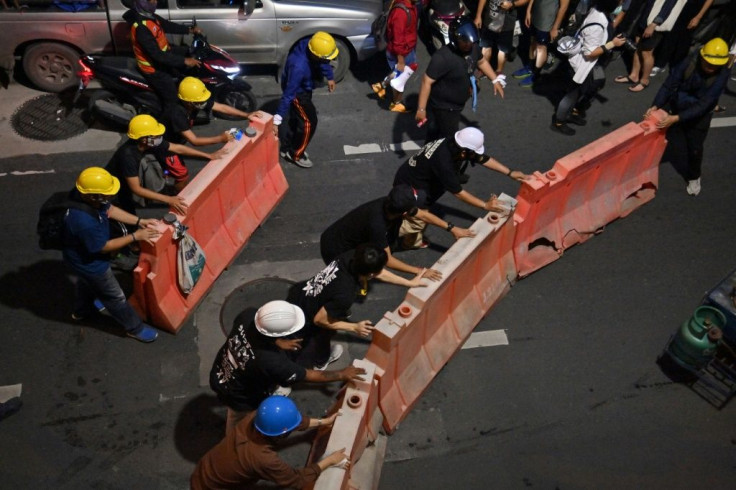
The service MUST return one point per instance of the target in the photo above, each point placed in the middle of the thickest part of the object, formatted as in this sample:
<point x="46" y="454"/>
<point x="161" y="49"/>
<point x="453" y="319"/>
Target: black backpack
<point x="50" y="227"/>
<point x="378" y="28"/>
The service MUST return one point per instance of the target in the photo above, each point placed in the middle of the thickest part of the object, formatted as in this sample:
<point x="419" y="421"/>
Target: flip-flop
<point x="719" y="108"/>
<point x="624" y="79"/>
<point x="636" y="89"/>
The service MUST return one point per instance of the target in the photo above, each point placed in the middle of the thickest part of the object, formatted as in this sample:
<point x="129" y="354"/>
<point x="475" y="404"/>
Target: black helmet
<point x="463" y="29"/>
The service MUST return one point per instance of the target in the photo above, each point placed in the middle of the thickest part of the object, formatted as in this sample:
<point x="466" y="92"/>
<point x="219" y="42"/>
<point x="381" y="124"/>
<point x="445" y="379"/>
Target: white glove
<point x="500" y="79"/>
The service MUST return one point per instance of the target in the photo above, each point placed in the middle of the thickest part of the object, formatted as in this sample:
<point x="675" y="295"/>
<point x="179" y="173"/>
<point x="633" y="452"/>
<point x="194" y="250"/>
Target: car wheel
<point x="241" y="99"/>
<point x="341" y="64"/>
<point x="51" y="66"/>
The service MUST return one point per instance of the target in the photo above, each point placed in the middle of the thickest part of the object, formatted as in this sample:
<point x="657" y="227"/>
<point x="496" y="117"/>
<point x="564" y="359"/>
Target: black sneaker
<point x="576" y="119"/>
<point x="561" y="127"/>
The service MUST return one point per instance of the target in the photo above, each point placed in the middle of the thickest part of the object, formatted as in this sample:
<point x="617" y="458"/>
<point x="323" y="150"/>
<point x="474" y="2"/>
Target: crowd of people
<point x="291" y="340"/>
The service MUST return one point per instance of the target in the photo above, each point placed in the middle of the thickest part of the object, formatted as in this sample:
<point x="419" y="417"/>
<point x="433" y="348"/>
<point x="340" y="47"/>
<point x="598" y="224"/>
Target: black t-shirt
<point x="249" y="367"/>
<point x="335" y="288"/>
<point x="431" y="170"/>
<point x="365" y="224"/>
<point x="451" y="73"/>
<point x="125" y="163"/>
<point x="176" y="118"/>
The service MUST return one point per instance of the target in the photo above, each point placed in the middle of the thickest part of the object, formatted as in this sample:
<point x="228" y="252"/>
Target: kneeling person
<point x="253" y="362"/>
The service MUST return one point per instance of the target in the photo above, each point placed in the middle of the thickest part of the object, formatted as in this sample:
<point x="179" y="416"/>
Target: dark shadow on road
<point x="198" y="427"/>
<point x="50" y="294"/>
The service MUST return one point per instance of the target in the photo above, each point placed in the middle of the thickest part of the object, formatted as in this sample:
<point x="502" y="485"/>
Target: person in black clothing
<point x="449" y="81"/>
<point x="145" y="136"/>
<point x="193" y="97"/>
<point x="378" y="222"/>
<point x="691" y="92"/>
<point x="437" y="169"/>
<point x="159" y="62"/>
<point x="327" y="297"/>
<point x="253" y="362"/>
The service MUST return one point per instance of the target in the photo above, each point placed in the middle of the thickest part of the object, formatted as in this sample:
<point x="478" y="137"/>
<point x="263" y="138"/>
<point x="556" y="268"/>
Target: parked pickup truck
<point x="48" y="36"/>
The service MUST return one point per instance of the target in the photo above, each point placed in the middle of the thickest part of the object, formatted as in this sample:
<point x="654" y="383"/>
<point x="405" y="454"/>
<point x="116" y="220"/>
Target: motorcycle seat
<point x="122" y="65"/>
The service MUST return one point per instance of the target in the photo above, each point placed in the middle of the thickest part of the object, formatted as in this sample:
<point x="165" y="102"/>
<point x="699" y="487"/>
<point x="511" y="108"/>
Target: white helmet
<point x="279" y="319"/>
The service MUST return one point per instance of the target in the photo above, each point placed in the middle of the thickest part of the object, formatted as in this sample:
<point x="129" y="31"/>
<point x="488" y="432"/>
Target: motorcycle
<point x="441" y="13"/>
<point x="126" y="93"/>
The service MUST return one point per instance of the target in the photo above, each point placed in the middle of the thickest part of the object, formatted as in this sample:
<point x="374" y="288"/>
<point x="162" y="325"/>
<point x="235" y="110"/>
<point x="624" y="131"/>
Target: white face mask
<point x="154" y="141"/>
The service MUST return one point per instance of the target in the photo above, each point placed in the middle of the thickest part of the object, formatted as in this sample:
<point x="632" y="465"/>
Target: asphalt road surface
<point x="575" y="400"/>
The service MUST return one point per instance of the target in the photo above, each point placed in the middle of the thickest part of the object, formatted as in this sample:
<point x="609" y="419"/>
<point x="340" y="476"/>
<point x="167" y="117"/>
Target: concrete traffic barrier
<point x="586" y="190"/>
<point x="412" y="343"/>
<point x="228" y="200"/>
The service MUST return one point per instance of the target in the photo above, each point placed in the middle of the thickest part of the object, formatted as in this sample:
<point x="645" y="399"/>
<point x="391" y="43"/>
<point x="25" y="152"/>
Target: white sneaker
<point x="656" y="70"/>
<point x="282" y="391"/>
<point x="693" y="187"/>
<point x="335" y="353"/>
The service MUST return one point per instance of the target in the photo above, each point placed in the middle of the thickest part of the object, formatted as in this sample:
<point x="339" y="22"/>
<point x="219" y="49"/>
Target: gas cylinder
<point x="695" y="342"/>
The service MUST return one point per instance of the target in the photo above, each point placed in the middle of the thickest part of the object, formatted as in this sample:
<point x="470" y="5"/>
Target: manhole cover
<point x="241" y="305"/>
<point x="48" y="118"/>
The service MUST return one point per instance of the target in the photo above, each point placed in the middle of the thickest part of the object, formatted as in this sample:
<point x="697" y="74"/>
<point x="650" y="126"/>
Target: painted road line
<point x="27" y="172"/>
<point x="377" y="148"/>
<point x="486" y="339"/>
<point x="10" y="391"/>
<point x="723" y="122"/>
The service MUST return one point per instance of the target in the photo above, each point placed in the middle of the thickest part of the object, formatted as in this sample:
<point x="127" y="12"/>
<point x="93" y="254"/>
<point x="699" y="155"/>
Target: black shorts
<point x="503" y="40"/>
<point x="649" y="43"/>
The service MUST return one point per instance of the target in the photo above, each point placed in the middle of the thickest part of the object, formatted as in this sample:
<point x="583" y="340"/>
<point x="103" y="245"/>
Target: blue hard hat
<point x="277" y="415"/>
<point x="463" y="28"/>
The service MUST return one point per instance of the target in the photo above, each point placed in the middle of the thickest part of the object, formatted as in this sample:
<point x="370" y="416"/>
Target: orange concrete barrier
<point x="355" y="429"/>
<point x="586" y="190"/>
<point x="412" y="343"/>
<point x="228" y="200"/>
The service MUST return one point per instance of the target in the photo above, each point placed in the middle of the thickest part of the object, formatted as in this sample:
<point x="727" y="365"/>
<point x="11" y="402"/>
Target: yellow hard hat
<point x="144" y="125"/>
<point x="323" y="46"/>
<point x="715" y="52"/>
<point x="97" y="180"/>
<point x="193" y="90"/>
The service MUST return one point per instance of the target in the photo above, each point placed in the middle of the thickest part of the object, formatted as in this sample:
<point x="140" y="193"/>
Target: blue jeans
<point x="107" y="289"/>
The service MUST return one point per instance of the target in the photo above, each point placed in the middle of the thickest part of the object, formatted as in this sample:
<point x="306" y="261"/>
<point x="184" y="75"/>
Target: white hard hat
<point x="470" y="138"/>
<point x="279" y="318"/>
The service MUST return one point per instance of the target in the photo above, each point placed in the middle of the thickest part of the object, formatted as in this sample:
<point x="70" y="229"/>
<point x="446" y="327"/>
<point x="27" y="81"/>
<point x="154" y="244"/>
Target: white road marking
<point x="18" y="173"/>
<point x="486" y="339"/>
<point x="10" y="391"/>
<point x="722" y="122"/>
<point x="376" y="148"/>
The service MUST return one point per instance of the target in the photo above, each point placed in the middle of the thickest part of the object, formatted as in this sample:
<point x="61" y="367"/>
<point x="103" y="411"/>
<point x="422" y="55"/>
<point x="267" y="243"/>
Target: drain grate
<point x="48" y="118"/>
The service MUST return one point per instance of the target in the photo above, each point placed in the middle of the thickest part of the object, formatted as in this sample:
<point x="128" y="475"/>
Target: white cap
<point x="279" y="319"/>
<point x="470" y="138"/>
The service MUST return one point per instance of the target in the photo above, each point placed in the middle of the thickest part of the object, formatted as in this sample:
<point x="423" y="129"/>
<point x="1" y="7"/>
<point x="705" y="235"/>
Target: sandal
<point x="624" y="79"/>
<point x="638" y="87"/>
<point x="719" y="108"/>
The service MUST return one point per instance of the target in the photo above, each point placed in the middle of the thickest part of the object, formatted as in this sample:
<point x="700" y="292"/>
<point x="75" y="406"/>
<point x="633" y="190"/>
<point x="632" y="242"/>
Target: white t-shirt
<point x="592" y="37"/>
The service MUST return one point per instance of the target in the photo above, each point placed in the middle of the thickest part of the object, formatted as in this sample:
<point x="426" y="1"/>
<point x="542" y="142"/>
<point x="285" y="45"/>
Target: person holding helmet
<point x="690" y="93"/>
<point x="146" y="137"/>
<point x="295" y="120"/>
<point x="193" y="97"/>
<point x="253" y="362"/>
<point x="159" y="62"/>
<point x="450" y="81"/>
<point x="438" y="168"/>
<point x="247" y="454"/>
<point x="87" y="247"/>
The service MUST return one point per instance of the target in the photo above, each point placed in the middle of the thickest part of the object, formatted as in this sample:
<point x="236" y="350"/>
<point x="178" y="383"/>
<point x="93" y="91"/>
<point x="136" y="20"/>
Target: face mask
<point x="154" y="141"/>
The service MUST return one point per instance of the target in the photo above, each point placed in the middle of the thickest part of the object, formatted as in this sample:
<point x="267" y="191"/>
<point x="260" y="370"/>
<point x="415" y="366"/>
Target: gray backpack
<point x="151" y="175"/>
